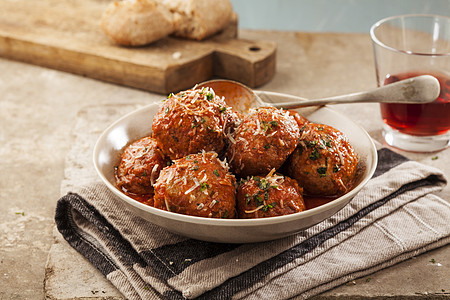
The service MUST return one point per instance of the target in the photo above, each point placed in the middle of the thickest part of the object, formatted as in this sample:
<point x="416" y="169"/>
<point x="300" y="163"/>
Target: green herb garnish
<point x="336" y="168"/>
<point x="268" y="206"/>
<point x="203" y="186"/>
<point x="314" y="154"/>
<point x="322" y="171"/>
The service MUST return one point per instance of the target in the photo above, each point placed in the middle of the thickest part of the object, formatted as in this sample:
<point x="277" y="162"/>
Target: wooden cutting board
<point x="65" y="35"/>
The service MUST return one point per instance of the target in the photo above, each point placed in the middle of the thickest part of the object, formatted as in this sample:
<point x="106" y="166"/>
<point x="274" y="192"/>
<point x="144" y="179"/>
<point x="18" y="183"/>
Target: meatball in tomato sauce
<point x="139" y="167"/>
<point x="324" y="163"/>
<point x="197" y="185"/>
<point x="270" y="196"/>
<point x="192" y="121"/>
<point x="263" y="141"/>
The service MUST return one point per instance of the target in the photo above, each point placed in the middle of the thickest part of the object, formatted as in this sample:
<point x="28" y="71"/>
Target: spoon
<point x="420" y="89"/>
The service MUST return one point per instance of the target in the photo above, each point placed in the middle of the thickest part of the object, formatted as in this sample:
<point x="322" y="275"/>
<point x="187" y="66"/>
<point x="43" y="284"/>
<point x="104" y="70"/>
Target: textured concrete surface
<point x="39" y="107"/>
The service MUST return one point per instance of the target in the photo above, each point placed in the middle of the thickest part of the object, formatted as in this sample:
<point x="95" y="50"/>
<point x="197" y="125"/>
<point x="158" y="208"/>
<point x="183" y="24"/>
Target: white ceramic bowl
<point x="137" y="124"/>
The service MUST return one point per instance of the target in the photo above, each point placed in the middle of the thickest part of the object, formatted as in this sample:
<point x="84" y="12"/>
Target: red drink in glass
<point x="406" y="46"/>
<point x="419" y="119"/>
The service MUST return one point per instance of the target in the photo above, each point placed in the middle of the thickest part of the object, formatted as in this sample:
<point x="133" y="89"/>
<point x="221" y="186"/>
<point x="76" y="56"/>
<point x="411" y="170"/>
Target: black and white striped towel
<point x="394" y="217"/>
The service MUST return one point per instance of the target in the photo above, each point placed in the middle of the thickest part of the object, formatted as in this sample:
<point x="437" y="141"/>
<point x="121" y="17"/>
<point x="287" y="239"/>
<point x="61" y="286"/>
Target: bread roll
<point x="199" y="19"/>
<point x="141" y="22"/>
<point x="137" y="22"/>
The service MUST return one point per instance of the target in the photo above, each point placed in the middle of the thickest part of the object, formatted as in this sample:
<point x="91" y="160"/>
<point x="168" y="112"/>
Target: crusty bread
<point x="199" y="19"/>
<point x="137" y="22"/>
<point x="141" y="22"/>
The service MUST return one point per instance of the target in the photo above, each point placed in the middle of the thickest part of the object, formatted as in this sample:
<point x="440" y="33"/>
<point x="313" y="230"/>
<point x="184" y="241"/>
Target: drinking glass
<point x="406" y="46"/>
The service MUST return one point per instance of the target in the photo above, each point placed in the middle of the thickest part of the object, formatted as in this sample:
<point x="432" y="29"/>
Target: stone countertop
<point x="39" y="108"/>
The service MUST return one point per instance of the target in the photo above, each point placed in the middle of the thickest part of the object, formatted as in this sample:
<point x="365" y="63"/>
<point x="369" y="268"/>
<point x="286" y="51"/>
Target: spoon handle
<point x="420" y="89"/>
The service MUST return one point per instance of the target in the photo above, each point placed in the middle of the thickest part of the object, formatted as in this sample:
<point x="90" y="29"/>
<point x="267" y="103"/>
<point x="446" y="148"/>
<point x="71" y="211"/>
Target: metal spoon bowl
<point x="414" y="90"/>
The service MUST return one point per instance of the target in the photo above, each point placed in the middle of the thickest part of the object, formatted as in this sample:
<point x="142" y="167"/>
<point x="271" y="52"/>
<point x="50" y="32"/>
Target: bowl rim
<point x="231" y="222"/>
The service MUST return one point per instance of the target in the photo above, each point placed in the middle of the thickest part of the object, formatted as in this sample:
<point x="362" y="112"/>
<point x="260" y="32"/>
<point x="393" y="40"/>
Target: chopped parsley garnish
<point x="268" y="206"/>
<point x="314" y="154"/>
<point x="320" y="128"/>
<point x="203" y="186"/>
<point x="312" y="143"/>
<point x="266" y="146"/>
<point x="222" y="109"/>
<point x="322" y="171"/>
<point x="324" y="144"/>
<point x="258" y="199"/>
<point x="209" y="96"/>
<point x="434" y="157"/>
<point x="336" y="168"/>
<point x="268" y="125"/>
<point x="170" y="96"/>
<point x="263" y="184"/>
<point x="216" y="173"/>
<point x="197" y="124"/>
<point x="247" y="198"/>
<point x="225" y="214"/>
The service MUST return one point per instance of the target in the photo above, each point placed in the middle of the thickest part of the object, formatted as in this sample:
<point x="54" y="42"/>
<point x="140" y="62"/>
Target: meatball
<point x="139" y="167"/>
<point x="263" y="141"/>
<point x="197" y="185"/>
<point x="324" y="163"/>
<point x="270" y="196"/>
<point x="192" y="121"/>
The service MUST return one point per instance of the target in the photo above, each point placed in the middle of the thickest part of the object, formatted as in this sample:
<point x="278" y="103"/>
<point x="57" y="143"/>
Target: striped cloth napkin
<point x="394" y="217"/>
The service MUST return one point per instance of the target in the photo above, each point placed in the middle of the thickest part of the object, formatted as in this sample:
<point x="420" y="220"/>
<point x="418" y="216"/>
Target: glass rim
<point x="382" y="21"/>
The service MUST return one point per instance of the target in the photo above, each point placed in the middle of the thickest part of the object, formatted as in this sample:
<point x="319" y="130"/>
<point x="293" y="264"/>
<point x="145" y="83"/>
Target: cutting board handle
<point x="250" y="62"/>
